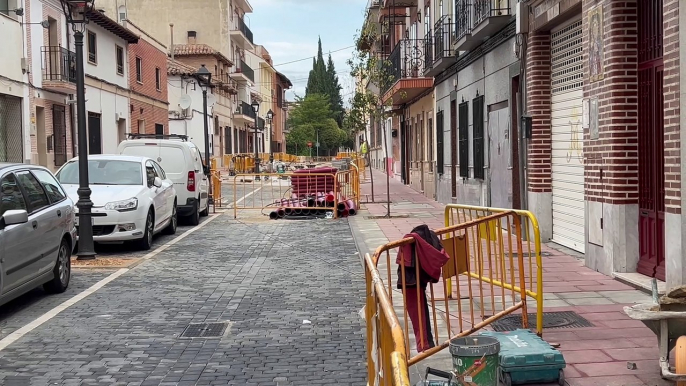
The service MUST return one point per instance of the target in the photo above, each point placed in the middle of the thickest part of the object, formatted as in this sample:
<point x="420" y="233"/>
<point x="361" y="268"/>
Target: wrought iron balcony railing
<point x="246" y="109"/>
<point x="240" y="26"/>
<point x="407" y="60"/>
<point x="441" y="39"/>
<point x="59" y="64"/>
<point x="483" y="9"/>
<point x="429" y="51"/>
<point x="245" y="69"/>
<point x="463" y="21"/>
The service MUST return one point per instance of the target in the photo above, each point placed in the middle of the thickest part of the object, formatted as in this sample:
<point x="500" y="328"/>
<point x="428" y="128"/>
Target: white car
<point x="132" y="197"/>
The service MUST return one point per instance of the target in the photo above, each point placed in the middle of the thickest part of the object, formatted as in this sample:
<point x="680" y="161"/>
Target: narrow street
<point x="289" y="292"/>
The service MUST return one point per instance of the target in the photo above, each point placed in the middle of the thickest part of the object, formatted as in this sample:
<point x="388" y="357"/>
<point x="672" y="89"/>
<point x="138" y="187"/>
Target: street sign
<point x="309" y="144"/>
<point x="317" y="144"/>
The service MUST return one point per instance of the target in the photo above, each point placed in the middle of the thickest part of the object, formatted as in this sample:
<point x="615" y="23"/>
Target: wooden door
<point x="651" y="141"/>
<point x="94" y="134"/>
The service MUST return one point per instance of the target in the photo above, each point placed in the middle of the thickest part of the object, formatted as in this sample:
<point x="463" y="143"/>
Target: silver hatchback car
<point x="37" y="232"/>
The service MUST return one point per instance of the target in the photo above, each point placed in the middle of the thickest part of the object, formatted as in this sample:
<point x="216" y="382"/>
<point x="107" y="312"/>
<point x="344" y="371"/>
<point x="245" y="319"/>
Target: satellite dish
<point x="211" y="100"/>
<point x="185" y="101"/>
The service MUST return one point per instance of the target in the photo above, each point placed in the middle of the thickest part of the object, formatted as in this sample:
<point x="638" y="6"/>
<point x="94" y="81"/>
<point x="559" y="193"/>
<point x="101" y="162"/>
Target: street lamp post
<point x="270" y="118"/>
<point x="204" y="77"/>
<point x="76" y="13"/>
<point x="256" y="108"/>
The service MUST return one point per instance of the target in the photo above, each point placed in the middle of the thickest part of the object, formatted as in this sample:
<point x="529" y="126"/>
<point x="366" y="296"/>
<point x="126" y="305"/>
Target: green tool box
<point x="526" y="358"/>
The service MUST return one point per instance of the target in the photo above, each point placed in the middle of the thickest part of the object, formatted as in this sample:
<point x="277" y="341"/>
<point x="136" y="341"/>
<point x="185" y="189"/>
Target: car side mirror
<point x="13" y="217"/>
<point x="157" y="182"/>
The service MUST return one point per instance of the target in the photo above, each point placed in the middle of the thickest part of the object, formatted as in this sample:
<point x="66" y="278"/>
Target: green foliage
<point x="323" y="80"/>
<point x="313" y="115"/>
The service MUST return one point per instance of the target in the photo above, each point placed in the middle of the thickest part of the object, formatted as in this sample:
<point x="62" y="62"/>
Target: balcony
<point x="490" y="16"/>
<point x="441" y="48"/>
<point x="244" y="114"/>
<point x="241" y="34"/>
<point x="406" y="71"/>
<point x="399" y="3"/>
<point x="225" y="83"/>
<point x="59" y="69"/>
<point x="464" y="40"/>
<point x="243" y="73"/>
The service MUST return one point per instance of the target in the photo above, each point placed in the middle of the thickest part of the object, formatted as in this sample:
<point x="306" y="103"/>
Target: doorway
<point x="121" y="130"/>
<point x="59" y="134"/>
<point x="94" y="133"/>
<point x="651" y="198"/>
<point x="41" y="137"/>
<point x="499" y="156"/>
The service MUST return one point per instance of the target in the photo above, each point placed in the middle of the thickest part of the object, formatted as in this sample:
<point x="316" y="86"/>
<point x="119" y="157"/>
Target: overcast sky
<point x="289" y="29"/>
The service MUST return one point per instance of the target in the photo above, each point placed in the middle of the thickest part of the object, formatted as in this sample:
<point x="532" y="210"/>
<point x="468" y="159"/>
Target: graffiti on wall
<point x="576" y="145"/>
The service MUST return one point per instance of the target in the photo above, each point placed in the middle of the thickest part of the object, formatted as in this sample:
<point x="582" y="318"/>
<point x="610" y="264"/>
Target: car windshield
<point x="104" y="172"/>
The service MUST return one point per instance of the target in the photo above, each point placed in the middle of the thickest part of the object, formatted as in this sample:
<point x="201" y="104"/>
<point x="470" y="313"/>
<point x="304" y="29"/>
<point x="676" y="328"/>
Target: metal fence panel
<point x="11" y="131"/>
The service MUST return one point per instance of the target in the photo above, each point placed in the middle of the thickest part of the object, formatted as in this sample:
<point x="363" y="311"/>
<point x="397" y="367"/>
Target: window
<point x="120" y="60"/>
<point x="439" y="143"/>
<point x="464" y="139"/>
<point x="92" y="48"/>
<point x="4" y="8"/>
<point x="34" y="191"/>
<point x="430" y="150"/>
<point x="159" y="129"/>
<point x="479" y="137"/>
<point x="150" y="173"/>
<point x="103" y="172"/>
<point x="227" y="140"/>
<point x="10" y="194"/>
<point x="51" y="186"/>
<point x="158" y="79"/>
<point x="141" y="126"/>
<point x="122" y="13"/>
<point x="139" y="70"/>
<point x="159" y="170"/>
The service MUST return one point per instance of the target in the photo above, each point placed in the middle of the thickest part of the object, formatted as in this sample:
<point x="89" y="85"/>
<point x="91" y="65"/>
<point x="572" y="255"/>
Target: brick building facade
<point x="148" y="84"/>
<point x="631" y="130"/>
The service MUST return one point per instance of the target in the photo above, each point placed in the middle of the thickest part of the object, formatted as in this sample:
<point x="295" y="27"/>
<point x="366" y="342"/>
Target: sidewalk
<point x="596" y="356"/>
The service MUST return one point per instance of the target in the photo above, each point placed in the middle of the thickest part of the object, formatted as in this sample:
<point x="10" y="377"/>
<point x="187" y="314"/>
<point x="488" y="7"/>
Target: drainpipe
<point x="523" y="142"/>
<point x="72" y="118"/>
<point x="171" y="30"/>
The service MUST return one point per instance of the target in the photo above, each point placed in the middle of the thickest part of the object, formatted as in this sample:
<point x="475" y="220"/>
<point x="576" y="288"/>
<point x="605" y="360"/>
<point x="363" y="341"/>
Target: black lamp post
<point x="204" y="77"/>
<point x="76" y="12"/>
<point x="256" y="108"/>
<point x="270" y="118"/>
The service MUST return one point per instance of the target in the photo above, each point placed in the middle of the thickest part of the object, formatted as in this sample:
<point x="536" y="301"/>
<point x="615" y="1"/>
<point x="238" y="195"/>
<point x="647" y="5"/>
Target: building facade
<point x="280" y="109"/>
<point x="147" y="74"/>
<point x="570" y="109"/>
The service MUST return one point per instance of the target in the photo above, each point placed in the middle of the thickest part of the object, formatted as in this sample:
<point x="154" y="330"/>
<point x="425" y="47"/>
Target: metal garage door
<point x="567" y="136"/>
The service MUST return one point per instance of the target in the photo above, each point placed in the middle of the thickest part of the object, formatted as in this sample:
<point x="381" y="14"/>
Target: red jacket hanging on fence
<point x="428" y="252"/>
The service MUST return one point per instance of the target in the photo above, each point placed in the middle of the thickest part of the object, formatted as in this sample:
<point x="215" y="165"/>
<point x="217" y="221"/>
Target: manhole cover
<point x="551" y="320"/>
<point x="205" y="330"/>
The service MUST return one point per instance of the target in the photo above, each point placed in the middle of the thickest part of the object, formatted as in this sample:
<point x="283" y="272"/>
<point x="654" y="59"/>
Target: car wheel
<point x="173" y="222"/>
<point x="194" y="218"/>
<point x="206" y="211"/>
<point x="62" y="270"/>
<point x="146" y="242"/>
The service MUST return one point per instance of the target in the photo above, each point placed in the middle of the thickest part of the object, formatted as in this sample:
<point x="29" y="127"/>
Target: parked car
<point x="132" y="198"/>
<point x="37" y="232"/>
<point x="182" y="162"/>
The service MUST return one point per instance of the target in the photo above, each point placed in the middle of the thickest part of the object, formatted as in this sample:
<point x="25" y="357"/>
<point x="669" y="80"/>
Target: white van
<point x="182" y="163"/>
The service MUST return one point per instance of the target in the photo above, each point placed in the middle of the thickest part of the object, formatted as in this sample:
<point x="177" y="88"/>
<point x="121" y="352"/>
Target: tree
<point x="314" y="117"/>
<point x="323" y="80"/>
<point x="374" y="76"/>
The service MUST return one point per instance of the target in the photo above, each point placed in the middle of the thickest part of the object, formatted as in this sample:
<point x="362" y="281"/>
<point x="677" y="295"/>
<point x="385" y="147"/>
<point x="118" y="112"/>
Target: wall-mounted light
<point x="18" y="11"/>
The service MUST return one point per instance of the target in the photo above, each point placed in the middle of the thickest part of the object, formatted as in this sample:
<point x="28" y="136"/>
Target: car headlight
<point x="123" y="206"/>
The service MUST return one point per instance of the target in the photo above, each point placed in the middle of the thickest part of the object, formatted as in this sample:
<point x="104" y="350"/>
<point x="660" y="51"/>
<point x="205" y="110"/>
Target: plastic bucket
<point x="476" y="360"/>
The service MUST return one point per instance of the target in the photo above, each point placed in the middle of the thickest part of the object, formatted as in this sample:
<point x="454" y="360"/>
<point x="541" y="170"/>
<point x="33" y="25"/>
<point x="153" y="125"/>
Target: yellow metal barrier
<point x="490" y="277"/>
<point x="304" y="192"/>
<point x="530" y="234"/>
<point x="386" y="361"/>
<point x="216" y="180"/>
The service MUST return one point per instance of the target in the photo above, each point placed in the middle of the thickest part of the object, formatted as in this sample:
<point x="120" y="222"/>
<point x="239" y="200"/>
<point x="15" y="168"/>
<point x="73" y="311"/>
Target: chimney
<point x="191" y="37"/>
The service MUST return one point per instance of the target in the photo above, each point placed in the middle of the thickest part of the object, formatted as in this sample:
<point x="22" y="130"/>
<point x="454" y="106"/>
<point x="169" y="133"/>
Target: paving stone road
<point x="264" y="279"/>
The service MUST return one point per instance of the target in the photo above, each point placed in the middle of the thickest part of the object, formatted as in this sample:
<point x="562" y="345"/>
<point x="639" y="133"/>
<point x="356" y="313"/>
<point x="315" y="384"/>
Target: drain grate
<point x="386" y="217"/>
<point x="527" y="254"/>
<point x="551" y="320"/>
<point x="205" y="330"/>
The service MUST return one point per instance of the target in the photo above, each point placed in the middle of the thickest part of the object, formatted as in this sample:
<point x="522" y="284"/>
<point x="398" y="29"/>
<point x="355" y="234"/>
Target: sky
<point x="289" y="29"/>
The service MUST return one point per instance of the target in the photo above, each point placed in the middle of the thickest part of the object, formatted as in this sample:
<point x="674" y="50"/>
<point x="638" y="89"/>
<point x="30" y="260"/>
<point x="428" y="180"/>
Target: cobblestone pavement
<point x="290" y="290"/>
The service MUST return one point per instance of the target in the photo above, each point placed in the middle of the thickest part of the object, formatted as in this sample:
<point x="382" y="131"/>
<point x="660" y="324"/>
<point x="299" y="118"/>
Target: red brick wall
<point x="538" y="106"/>
<point x="152" y="59"/>
<point x="671" y="105"/>
<point x="151" y="113"/>
<point x="615" y="152"/>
